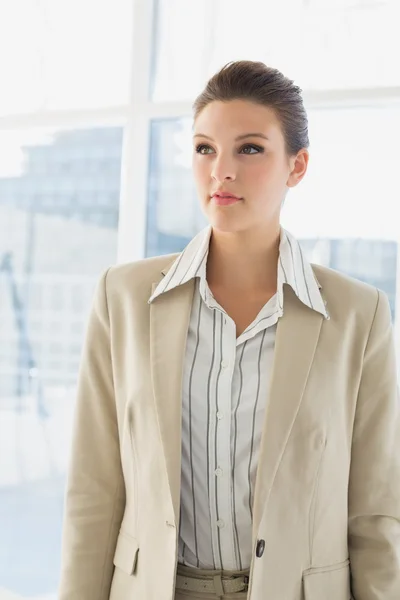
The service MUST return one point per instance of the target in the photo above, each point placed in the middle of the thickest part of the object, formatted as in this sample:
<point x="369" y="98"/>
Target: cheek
<point x="259" y="175"/>
<point x="265" y="174"/>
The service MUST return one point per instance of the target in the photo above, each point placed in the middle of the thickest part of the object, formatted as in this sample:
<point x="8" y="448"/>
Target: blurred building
<point x="63" y="211"/>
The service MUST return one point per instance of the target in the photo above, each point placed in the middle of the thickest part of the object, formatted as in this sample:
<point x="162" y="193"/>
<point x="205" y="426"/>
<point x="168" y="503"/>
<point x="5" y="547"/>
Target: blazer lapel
<point x="296" y="341"/>
<point x="169" y="322"/>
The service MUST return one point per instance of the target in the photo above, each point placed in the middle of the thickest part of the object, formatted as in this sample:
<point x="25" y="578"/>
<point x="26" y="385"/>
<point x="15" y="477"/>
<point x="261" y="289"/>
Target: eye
<point x="251" y="149"/>
<point x="204" y="149"/>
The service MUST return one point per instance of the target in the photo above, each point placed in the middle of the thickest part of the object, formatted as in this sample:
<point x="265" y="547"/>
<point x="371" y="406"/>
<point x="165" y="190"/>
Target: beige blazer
<point x="327" y="498"/>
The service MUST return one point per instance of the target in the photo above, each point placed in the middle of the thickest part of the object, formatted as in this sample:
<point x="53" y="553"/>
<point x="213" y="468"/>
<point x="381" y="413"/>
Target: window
<point x="326" y="45"/>
<point x="53" y="248"/>
<point x="64" y="55"/>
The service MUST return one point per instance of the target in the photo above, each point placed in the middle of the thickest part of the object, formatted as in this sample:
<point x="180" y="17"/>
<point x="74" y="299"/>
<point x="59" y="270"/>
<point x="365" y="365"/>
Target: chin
<point x="227" y="225"/>
<point x="226" y="219"/>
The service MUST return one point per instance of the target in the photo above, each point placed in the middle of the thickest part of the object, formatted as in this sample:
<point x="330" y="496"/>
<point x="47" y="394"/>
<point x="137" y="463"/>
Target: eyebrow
<point x="239" y="137"/>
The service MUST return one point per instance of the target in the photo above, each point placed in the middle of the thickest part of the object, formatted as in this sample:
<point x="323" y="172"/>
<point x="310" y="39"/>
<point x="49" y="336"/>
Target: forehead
<point x="236" y="117"/>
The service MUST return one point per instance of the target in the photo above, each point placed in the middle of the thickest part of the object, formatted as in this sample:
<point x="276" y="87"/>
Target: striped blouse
<point x="224" y="395"/>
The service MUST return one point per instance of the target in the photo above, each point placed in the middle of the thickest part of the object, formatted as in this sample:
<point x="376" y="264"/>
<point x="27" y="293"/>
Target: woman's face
<point x="239" y="149"/>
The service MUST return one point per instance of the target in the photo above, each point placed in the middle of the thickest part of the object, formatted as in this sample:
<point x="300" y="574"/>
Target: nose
<point x="223" y="169"/>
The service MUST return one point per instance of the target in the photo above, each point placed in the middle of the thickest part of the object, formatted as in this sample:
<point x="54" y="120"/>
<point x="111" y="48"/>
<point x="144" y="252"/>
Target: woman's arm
<point x="374" y="486"/>
<point x="95" y="497"/>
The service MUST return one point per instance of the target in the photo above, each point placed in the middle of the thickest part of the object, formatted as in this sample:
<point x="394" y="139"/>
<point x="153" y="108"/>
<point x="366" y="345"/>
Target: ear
<point x="298" y="167"/>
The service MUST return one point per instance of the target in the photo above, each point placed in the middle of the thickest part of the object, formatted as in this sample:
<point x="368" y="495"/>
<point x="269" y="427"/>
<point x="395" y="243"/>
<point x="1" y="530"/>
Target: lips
<point x="225" y="198"/>
<point x="226" y="195"/>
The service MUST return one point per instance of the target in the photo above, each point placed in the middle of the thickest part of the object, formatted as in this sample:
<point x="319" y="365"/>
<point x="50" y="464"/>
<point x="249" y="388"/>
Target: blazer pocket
<point x="330" y="583"/>
<point x="126" y="553"/>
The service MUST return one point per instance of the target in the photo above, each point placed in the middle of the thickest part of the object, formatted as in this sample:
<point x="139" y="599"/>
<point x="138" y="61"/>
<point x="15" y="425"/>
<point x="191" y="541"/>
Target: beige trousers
<point x="191" y="572"/>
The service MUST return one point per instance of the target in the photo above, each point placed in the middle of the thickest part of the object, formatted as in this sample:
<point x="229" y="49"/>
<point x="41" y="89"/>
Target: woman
<point x="237" y="421"/>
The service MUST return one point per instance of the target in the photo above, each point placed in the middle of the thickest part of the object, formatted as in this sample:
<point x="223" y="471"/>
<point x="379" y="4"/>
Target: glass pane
<point x="56" y="54"/>
<point x="322" y="45"/>
<point x="343" y="212"/>
<point x="173" y="214"/>
<point x="59" y="198"/>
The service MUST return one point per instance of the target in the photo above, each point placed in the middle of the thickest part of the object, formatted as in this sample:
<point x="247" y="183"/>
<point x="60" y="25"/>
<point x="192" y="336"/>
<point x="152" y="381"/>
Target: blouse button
<point x="260" y="548"/>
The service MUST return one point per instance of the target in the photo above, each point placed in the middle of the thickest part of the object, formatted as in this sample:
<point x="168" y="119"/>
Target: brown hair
<point x="254" y="81"/>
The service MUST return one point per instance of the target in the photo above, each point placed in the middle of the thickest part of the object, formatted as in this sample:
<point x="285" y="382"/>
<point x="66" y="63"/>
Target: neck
<point x="244" y="260"/>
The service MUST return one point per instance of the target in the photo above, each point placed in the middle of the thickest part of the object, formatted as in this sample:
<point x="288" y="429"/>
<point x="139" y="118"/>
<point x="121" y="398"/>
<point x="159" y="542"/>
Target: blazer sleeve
<point x="95" y="493"/>
<point x="374" y="485"/>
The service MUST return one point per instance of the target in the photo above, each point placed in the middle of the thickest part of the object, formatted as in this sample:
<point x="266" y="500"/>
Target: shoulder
<point x="343" y="293"/>
<point x="333" y="281"/>
<point x="136" y="278"/>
